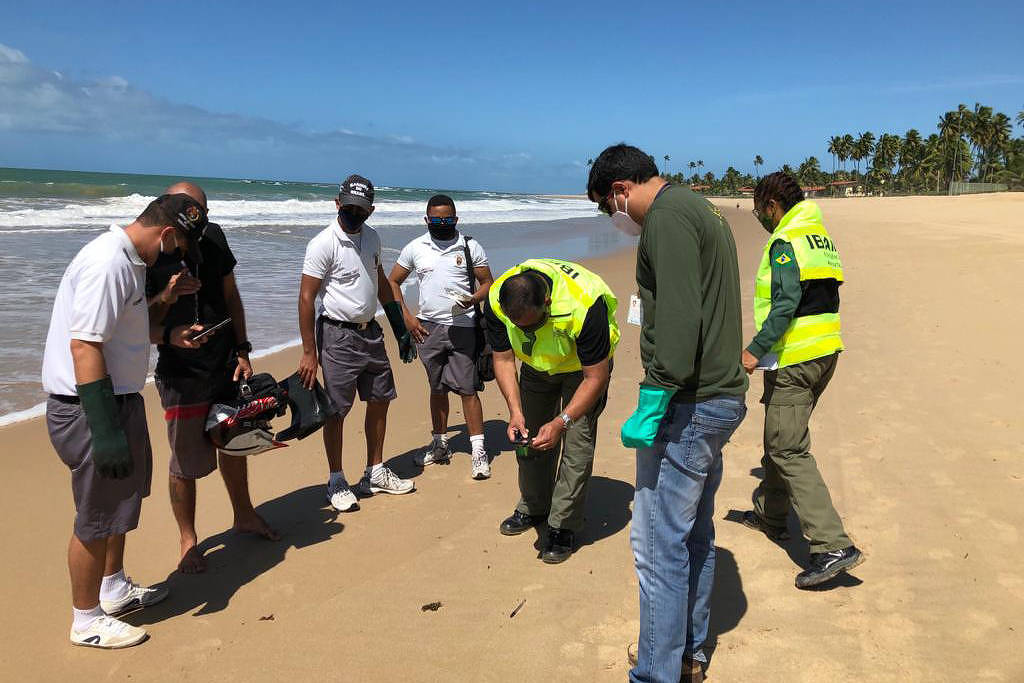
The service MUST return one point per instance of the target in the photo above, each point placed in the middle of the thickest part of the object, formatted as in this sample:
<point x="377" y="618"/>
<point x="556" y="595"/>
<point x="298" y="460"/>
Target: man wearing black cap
<point x="94" y="366"/>
<point x="343" y="266"/>
<point x="190" y="380"/>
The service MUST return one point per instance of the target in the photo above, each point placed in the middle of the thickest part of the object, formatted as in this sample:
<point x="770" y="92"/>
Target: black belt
<point x="74" y="400"/>
<point x="347" y="325"/>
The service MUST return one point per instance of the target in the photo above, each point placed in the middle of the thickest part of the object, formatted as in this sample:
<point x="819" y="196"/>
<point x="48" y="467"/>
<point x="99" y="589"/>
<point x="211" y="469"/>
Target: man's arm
<point x="484" y="280"/>
<point x="395" y="280"/>
<point x="233" y="302"/>
<point x="673" y="250"/>
<point x="384" y="292"/>
<point x="308" y="288"/>
<point x="786" y="294"/>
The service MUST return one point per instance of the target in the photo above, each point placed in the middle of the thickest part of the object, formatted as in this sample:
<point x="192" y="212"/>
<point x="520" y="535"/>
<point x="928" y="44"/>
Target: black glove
<point x="110" y="450"/>
<point x="406" y="347"/>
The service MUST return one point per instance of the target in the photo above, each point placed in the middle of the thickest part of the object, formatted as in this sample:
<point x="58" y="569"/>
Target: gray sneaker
<point x="436" y="454"/>
<point x="385" y="481"/>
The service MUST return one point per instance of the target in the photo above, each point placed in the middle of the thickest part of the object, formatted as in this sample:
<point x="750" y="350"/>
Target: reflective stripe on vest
<point x="812" y="336"/>
<point x="552" y="348"/>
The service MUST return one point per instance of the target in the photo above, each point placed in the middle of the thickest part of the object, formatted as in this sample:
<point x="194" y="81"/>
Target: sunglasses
<point x="448" y="221"/>
<point x="603" y="206"/>
<point x="535" y="326"/>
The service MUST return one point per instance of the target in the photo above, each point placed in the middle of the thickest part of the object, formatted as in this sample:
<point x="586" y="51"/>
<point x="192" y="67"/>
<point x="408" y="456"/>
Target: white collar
<point x="129" y="246"/>
<point x="460" y="241"/>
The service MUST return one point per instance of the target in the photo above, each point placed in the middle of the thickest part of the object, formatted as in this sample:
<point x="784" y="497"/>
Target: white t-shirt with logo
<point x="348" y="268"/>
<point x="441" y="265"/>
<point x="101" y="298"/>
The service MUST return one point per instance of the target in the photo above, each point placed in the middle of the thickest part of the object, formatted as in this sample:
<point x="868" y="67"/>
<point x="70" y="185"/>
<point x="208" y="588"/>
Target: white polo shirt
<point x="440" y="265"/>
<point x="101" y="298"/>
<point x="347" y="265"/>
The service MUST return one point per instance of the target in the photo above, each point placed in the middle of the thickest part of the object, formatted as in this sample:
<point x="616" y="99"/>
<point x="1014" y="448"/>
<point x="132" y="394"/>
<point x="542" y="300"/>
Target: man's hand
<point x="416" y="329"/>
<point x="549" y="435"/>
<point x="406" y="349"/>
<point x="517" y="422"/>
<point x="307" y="368"/>
<point x="183" y="336"/>
<point x="181" y="284"/>
<point x="243" y="370"/>
<point x="749" y="361"/>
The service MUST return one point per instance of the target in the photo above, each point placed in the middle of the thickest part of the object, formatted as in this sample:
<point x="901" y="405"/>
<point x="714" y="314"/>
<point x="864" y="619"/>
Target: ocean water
<point x="47" y="216"/>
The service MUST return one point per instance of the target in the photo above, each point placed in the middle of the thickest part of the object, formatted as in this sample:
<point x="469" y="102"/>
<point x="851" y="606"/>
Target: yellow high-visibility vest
<point x="574" y="290"/>
<point x="811" y="336"/>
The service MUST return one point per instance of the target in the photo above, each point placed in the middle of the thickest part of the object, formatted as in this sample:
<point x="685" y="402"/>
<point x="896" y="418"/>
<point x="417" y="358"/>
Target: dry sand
<point x="919" y="438"/>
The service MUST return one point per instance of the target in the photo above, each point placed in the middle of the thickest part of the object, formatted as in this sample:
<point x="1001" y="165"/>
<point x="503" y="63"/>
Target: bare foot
<point x="192" y="561"/>
<point x="255" y="524"/>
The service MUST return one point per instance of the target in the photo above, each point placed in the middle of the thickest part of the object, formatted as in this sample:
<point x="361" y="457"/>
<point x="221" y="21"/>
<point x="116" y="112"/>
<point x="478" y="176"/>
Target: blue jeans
<point x="673" y="532"/>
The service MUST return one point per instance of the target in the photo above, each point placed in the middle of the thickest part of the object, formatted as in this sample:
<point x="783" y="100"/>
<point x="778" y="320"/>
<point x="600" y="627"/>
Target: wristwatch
<point x="244" y="347"/>
<point x="566" y="420"/>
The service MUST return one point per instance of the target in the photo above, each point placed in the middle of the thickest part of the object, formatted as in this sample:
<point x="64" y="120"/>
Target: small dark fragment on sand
<point x="431" y="607"/>
<point x="516" y="610"/>
<point x="269" y="617"/>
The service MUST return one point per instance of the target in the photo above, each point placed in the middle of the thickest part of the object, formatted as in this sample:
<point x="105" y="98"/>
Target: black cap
<point x="190" y="216"/>
<point x="356" y="191"/>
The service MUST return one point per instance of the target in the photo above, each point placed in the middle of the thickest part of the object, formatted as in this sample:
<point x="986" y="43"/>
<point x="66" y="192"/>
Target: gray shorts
<point x="103" y="507"/>
<point x="186" y="403"/>
<point x="449" y="355"/>
<point x="354" y="359"/>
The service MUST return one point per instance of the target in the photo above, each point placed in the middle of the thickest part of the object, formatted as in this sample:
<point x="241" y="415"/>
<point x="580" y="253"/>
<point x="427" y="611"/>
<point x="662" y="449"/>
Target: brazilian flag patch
<point x="783" y="259"/>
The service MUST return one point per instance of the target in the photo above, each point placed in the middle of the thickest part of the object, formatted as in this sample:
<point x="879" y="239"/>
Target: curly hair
<point x="781" y="187"/>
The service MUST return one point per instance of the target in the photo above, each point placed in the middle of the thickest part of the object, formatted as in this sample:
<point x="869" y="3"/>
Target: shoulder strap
<point x="472" y="277"/>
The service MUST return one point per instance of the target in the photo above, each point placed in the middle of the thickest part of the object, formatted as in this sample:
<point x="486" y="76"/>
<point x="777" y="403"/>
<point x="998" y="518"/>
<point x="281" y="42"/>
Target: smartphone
<point x="521" y="439"/>
<point x="211" y="330"/>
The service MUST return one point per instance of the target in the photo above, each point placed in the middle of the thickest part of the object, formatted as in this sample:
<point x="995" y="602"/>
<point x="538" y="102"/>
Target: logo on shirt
<point x="458" y="260"/>
<point x="783" y="260"/>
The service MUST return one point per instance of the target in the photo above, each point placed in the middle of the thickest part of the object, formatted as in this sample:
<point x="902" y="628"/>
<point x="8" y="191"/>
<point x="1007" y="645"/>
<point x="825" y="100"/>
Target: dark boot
<point x="558" y="547"/>
<point x="519" y="522"/>
<point x="825" y="566"/>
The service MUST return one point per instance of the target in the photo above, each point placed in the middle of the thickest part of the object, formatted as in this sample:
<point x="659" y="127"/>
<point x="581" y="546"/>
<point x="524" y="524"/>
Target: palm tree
<point x="910" y="157"/>
<point x="835" y="144"/>
<point x="700" y="164"/>
<point x="693" y="165"/>
<point x="590" y="162"/>
<point x="864" y="146"/>
<point x="809" y="171"/>
<point x="667" y="159"/>
<point x="846" y="150"/>
<point x="1020" y="118"/>
<point x="758" y="161"/>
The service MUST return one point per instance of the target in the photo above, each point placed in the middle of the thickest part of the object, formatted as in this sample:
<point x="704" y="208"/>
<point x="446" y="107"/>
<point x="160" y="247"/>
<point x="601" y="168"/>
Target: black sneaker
<point x="825" y="566"/>
<point x="519" y="522"/>
<point x="558" y="547"/>
<point x="754" y="521"/>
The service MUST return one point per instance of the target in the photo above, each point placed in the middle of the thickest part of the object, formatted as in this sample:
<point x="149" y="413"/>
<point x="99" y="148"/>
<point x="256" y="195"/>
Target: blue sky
<point x="514" y="96"/>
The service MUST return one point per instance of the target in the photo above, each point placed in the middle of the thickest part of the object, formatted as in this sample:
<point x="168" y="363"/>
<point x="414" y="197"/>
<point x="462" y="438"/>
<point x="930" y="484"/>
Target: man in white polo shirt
<point x="94" y="365"/>
<point x="445" y="328"/>
<point x="343" y="266"/>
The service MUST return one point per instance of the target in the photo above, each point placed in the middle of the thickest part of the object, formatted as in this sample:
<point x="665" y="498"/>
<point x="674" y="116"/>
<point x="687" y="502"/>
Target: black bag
<point x="485" y="359"/>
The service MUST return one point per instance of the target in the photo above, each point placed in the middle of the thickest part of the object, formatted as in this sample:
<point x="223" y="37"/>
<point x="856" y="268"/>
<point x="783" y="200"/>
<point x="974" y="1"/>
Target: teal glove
<point x="406" y="347"/>
<point x="642" y="426"/>
<point x="110" y="450"/>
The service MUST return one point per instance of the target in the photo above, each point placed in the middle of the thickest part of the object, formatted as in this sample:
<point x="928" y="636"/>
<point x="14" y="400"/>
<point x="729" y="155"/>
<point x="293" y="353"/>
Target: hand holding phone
<point x="211" y="330"/>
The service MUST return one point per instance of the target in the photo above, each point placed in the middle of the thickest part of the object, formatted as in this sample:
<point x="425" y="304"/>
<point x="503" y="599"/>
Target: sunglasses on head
<point x="442" y="222"/>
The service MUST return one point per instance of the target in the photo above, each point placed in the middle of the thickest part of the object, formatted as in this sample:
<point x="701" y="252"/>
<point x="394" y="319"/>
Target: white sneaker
<point x="341" y="497"/>
<point x="481" y="466"/>
<point x="385" y="481"/>
<point x="137" y="596"/>
<point x="108" y="633"/>
<point x="437" y="453"/>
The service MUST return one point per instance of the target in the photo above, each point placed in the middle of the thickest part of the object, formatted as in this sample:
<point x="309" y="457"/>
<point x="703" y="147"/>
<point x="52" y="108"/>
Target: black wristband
<point x="167" y="335"/>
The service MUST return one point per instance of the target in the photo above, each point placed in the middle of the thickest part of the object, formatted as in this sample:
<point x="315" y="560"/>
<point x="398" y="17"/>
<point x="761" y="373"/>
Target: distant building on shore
<point x="746" y="191"/>
<point x="846" y="188"/>
<point x="700" y="188"/>
<point x="813" y="191"/>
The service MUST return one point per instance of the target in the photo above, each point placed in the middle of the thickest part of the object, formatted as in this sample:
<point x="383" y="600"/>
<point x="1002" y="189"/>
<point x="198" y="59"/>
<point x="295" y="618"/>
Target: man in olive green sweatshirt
<point x="691" y="400"/>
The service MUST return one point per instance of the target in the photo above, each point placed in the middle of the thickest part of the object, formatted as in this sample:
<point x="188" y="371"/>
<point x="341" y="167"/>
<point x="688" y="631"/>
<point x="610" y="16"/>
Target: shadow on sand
<point x="302" y="517"/>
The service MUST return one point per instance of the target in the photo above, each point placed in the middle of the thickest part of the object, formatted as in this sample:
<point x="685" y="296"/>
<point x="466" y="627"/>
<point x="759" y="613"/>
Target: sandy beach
<point x="919" y="438"/>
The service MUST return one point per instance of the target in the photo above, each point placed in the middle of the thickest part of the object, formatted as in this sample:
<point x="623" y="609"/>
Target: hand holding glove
<point x="641" y="428"/>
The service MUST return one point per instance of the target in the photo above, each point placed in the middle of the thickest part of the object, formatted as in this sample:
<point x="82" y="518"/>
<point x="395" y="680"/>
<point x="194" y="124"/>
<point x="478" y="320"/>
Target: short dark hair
<point x="440" y="200"/>
<point x="155" y="215"/>
<point x="781" y="187"/>
<point x="522" y="293"/>
<point x="619" y="162"/>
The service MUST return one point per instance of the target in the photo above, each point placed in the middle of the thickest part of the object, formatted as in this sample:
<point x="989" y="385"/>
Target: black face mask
<point x="441" y="232"/>
<point x="352" y="219"/>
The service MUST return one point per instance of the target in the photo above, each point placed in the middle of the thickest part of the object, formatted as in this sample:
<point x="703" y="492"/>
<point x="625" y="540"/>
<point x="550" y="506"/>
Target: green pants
<point x="550" y="484"/>
<point x="791" y="475"/>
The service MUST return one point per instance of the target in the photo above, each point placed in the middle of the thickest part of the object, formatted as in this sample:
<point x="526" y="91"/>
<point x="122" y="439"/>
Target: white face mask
<point x="622" y="220"/>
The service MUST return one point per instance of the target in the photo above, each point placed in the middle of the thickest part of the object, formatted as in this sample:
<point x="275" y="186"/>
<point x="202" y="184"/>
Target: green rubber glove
<point x="406" y="347"/>
<point x="642" y="426"/>
<point x="110" y="450"/>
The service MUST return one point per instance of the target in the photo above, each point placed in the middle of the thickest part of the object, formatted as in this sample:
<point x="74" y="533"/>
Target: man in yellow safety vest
<point x="558" y="318"/>
<point x="796" y="313"/>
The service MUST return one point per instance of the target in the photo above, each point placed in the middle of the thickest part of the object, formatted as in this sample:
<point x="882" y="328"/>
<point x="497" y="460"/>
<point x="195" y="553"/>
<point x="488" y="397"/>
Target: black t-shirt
<point x="592" y="345"/>
<point x="208" y="305"/>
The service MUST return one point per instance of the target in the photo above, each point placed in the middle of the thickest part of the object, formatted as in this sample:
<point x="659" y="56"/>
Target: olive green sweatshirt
<point x="688" y="279"/>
